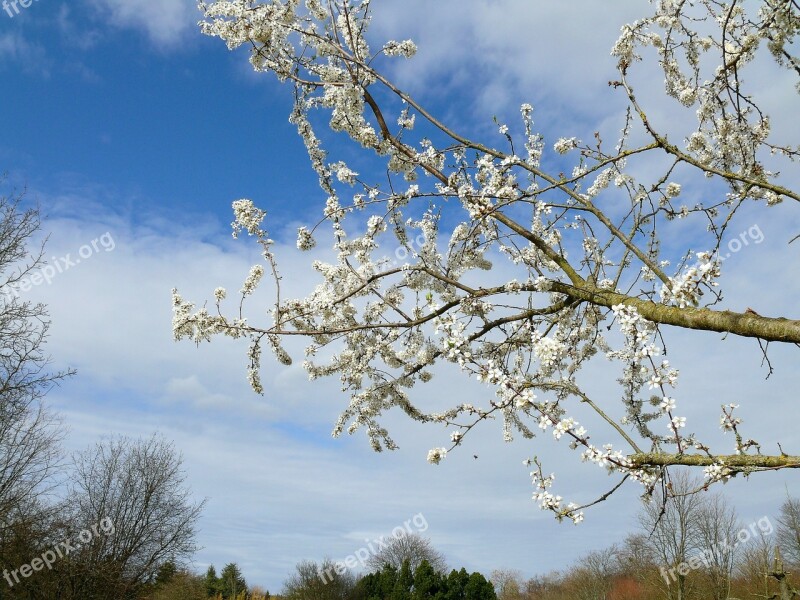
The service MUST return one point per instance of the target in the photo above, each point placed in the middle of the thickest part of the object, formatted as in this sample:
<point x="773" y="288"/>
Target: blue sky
<point x="87" y="103"/>
<point x="120" y="118"/>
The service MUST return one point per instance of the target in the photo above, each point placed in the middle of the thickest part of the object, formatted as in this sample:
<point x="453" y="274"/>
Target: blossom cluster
<point x="466" y="214"/>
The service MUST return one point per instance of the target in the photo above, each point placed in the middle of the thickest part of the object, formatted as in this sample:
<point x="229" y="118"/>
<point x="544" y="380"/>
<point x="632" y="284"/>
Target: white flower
<point x="773" y="198"/>
<point x="220" y="294"/>
<point x="563" y="427"/>
<point x="673" y="189"/>
<point x="343" y="173"/>
<point x="305" y="241"/>
<point x="250" y="284"/>
<point x="564" y="145"/>
<point x="255" y="381"/>
<point x="405" y="121"/>
<point x="687" y="96"/>
<point x="668" y="404"/>
<point x="525" y="398"/>
<point x="717" y="472"/>
<point x="248" y="217"/>
<point x="606" y="284"/>
<point x="677" y="423"/>
<point x="435" y="455"/>
<point x="548" y="350"/>
<point x="406" y="48"/>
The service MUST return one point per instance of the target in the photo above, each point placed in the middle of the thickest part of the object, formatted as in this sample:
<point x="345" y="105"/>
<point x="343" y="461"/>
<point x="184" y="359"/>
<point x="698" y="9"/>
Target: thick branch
<point x="732" y="461"/>
<point x="743" y="324"/>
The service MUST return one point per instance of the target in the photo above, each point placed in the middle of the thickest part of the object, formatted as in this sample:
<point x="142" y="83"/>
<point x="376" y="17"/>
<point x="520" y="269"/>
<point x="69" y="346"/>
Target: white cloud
<point x="16" y="50"/>
<point x="550" y="51"/>
<point x="164" y="21"/>
<point x="190" y="390"/>
<point x="279" y="489"/>
<point x="74" y="31"/>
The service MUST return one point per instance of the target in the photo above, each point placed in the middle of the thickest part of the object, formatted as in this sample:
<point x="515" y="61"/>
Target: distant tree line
<point x="692" y="547"/>
<point x="414" y="579"/>
<point x="182" y="584"/>
<point x="424" y="583"/>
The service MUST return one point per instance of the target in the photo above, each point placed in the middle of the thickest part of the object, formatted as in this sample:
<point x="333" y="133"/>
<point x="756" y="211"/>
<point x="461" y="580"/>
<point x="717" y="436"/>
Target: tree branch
<point x="732" y="461"/>
<point x="772" y="329"/>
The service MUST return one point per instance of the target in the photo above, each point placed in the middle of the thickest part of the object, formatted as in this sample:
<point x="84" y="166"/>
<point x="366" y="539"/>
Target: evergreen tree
<point x="386" y="581"/>
<point x="404" y="583"/>
<point x="367" y="586"/>
<point x="478" y="588"/>
<point x="232" y="581"/>
<point x="212" y="582"/>
<point x="456" y="584"/>
<point x="427" y="582"/>
<point x="166" y="573"/>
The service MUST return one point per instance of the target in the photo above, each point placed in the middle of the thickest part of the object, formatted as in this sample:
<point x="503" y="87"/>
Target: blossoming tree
<point x="593" y="278"/>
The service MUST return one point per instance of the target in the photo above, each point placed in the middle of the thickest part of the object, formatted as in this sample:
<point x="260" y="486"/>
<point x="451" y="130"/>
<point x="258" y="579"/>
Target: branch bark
<point x="732" y="461"/>
<point x="771" y="329"/>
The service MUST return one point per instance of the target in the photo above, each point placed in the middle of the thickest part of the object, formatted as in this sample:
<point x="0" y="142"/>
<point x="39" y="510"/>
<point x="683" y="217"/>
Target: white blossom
<point x="564" y="145"/>
<point x="717" y="472"/>
<point x="250" y="284"/>
<point x="305" y="241"/>
<point x="673" y="189"/>
<point x="413" y="278"/>
<point x="435" y="455"/>
<point x="406" y="48"/>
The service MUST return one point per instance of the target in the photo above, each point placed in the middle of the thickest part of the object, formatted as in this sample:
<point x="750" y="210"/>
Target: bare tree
<point x="136" y="489"/>
<point x="672" y="527"/>
<point x="543" y="587"/>
<point x="30" y="452"/>
<point x="30" y="435"/>
<point x="717" y="527"/>
<point x="259" y="593"/>
<point x="311" y="581"/>
<point x="789" y="529"/>
<point x="754" y="564"/>
<point x="183" y="585"/>
<point x="636" y="556"/>
<point x="593" y="578"/>
<point x="508" y="584"/>
<point x="412" y="547"/>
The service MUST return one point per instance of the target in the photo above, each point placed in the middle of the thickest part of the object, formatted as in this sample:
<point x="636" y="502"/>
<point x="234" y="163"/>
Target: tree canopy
<point x="411" y="547"/>
<point x="526" y="259"/>
<point x="424" y="583"/>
